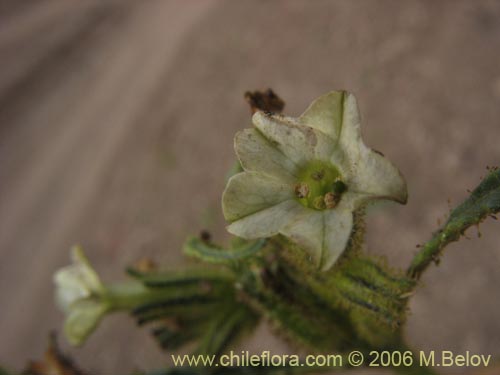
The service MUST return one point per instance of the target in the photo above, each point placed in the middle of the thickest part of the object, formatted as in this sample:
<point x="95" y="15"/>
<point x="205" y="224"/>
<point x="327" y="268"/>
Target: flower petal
<point x="267" y="222"/>
<point x="76" y="281"/>
<point x="338" y="225"/>
<point x="258" y="154"/>
<point x="326" y="114"/>
<point x="83" y="320"/>
<point x="350" y="135"/>
<point x="375" y="177"/>
<point x="250" y="192"/>
<point x="68" y="289"/>
<point x="84" y="270"/>
<point x="323" y="234"/>
<point x="298" y="142"/>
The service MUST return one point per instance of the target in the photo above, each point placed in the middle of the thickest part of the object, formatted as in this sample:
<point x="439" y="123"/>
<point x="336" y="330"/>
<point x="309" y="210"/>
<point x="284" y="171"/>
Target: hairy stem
<point x="484" y="201"/>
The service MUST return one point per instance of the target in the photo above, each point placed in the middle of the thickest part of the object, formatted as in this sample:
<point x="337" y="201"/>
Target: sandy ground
<point x="116" y="126"/>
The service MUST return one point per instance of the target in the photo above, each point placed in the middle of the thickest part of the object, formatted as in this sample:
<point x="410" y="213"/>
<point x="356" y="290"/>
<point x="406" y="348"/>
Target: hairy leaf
<point x="202" y="250"/>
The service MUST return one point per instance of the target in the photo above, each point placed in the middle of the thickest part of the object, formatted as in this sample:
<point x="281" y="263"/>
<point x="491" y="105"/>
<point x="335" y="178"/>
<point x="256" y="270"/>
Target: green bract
<point x="303" y="177"/>
<point x="79" y="293"/>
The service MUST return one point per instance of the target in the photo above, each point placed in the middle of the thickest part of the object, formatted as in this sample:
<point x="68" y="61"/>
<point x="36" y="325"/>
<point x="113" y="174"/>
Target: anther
<point x="319" y="203"/>
<point x="301" y="190"/>
<point x="331" y="200"/>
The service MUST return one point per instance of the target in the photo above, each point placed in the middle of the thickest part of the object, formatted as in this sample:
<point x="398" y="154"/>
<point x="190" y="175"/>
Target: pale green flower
<point x="79" y="293"/>
<point x="303" y="177"/>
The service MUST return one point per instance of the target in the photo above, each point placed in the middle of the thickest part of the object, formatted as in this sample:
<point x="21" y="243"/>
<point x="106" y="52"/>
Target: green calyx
<point x="320" y="186"/>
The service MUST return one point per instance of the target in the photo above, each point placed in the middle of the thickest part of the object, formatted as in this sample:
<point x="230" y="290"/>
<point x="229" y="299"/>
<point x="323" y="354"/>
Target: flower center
<point x="320" y="186"/>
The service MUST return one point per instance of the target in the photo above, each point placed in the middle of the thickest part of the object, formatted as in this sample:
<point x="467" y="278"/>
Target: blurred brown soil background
<point x="116" y="127"/>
